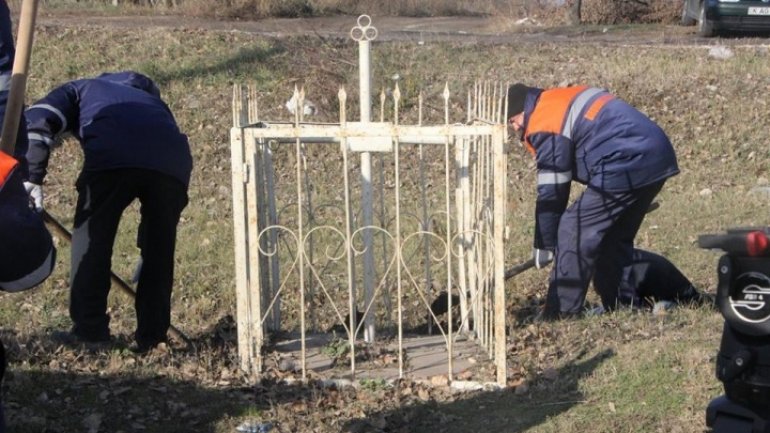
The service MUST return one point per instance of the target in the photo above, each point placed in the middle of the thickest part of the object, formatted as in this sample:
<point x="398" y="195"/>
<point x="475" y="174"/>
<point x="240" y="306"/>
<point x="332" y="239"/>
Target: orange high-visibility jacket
<point x="590" y="136"/>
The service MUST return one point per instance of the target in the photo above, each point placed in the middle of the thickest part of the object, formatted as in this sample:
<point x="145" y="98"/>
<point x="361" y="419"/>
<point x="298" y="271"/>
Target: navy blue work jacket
<point x="590" y="136"/>
<point x="120" y="121"/>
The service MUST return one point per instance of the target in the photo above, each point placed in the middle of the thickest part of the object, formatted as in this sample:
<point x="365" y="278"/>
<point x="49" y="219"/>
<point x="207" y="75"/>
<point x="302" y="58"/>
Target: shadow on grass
<point x="495" y="411"/>
<point x="242" y="63"/>
<point x="53" y="388"/>
<point x="67" y="402"/>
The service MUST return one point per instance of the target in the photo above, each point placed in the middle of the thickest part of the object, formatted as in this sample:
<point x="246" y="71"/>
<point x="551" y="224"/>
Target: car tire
<point x="686" y="19"/>
<point x="705" y="25"/>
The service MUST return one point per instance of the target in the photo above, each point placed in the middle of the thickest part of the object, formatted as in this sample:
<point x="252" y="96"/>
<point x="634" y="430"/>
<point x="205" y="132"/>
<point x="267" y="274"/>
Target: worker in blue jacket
<point x="133" y="149"/>
<point x="27" y="254"/>
<point x="589" y="136"/>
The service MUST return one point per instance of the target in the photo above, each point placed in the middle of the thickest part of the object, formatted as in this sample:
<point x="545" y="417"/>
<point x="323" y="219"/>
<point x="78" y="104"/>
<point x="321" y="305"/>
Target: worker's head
<point x="517" y="94"/>
<point x="514" y="116"/>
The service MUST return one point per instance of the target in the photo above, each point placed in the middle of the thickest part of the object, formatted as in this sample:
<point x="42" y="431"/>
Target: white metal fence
<point x="440" y="194"/>
<point x="402" y="239"/>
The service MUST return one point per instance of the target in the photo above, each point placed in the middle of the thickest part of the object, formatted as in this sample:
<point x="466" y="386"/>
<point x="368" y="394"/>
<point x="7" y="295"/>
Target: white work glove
<point x="35" y="193"/>
<point x="542" y="257"/>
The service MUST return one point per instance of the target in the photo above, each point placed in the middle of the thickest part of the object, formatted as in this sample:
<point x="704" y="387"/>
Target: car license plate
<point x="759" y="11"/>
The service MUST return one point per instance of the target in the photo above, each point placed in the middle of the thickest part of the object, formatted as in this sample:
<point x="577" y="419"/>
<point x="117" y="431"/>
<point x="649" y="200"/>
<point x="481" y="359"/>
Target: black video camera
<point x="743" y="363"/>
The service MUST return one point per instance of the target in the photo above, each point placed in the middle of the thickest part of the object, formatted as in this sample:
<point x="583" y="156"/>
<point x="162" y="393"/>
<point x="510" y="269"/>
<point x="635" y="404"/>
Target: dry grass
<point x="655" y="371"/>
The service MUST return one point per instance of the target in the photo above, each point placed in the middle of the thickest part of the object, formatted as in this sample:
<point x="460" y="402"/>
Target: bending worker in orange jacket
<point x="588" y="135"/>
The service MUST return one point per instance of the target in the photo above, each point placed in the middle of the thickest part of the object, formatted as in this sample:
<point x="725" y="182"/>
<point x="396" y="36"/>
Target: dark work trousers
<point x="657" y="279"/>
<point x="596" y="240"/>
<point x="102" y="198"/>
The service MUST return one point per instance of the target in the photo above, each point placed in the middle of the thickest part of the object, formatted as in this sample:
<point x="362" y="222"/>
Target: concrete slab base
<point x="425" y="357"/>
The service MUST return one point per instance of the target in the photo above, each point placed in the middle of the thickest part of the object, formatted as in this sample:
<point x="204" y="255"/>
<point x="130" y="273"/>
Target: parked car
<point x="714" y="16"/>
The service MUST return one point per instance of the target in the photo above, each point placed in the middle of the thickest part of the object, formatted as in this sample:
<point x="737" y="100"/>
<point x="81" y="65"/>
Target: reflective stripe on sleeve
<point x="553" y="178"/>
<point x="39" y="137"/>
<point x="33" y="278"/>
<point x="597" y="105"/>
<point x="53" y="110"/>
<point x="577" y="106"/>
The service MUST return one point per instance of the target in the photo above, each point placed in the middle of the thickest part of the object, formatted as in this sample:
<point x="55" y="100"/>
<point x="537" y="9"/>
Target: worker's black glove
<point x="542" y="257"/>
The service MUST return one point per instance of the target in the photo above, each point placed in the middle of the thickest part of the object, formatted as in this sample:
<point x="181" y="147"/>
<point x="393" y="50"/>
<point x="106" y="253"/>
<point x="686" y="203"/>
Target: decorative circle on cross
<point x="364" y="30"/>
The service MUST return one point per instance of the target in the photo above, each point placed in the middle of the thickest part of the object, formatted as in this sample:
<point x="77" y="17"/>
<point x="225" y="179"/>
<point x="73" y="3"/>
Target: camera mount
<point x="743" y="363"/>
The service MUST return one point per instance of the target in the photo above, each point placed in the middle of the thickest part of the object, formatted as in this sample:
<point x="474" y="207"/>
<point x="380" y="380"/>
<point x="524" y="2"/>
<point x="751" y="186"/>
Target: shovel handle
<point x="15" y="103"/>
<point x="517" y="269"/>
